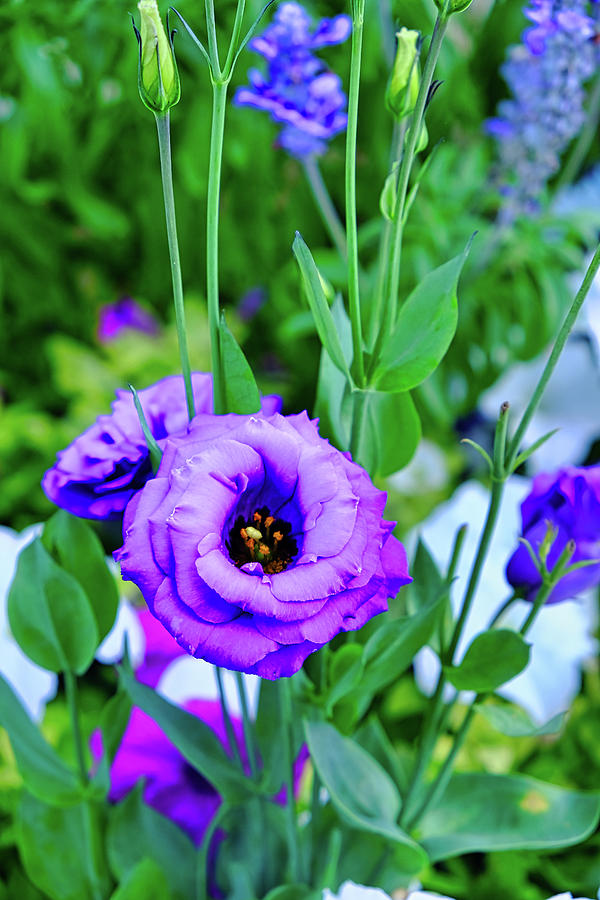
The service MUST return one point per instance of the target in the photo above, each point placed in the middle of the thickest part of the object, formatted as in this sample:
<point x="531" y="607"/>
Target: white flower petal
<point x="187" y="678"/>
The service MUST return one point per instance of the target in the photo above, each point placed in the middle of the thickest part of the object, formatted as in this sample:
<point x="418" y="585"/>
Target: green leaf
<point x="387" y="198"/>
<point x="146" y="881"/>
<point x="61" y="849"/>
<point x="319" y="306"/>
<point x="427" y="585"/>
<point x="480" y="812"/>
<point x="362" y="792"/>
<point x="241" y="392"/>
<point x="50" y="615"/>
<point x="42" y="770"/>
<point x="114" y="719"/>
<point x="151" y="442"/>
<point x="389" y="651"/>
<point x="492" y="658"/>
<point x="515" y="722"/>
<point x="192" y="737"/>
<point x="135" y="830"/>
<point x="522" y="457"/>
<point x="392" y="432"/>
<point x="331" y="405"/>
<point x="77" y="549"/>
<point x="424" y="329"/>
<point x="293" y="892"/>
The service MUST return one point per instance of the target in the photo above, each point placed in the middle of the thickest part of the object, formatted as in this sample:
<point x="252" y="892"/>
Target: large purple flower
<point x="257" y="542"/>
<point x="96" y="475"/>
<point x="570" y="501"/>
<point x="297" y="89"/>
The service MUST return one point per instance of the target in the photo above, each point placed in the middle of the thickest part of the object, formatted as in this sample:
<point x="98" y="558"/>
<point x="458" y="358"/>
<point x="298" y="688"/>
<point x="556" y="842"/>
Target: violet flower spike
<point x="257" y="542"/>
<point x="297" y="89"/>
<point x="547" y="76"/>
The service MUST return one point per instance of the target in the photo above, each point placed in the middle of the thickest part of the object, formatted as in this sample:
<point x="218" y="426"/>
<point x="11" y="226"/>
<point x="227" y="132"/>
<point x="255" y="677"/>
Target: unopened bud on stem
<point x="403" y="86"/>
<point x="158" y="79"/>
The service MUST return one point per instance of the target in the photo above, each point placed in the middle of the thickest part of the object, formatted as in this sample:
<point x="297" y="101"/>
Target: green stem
<point x="202" y="857"/>
<point x="285" y="698"/>
<point x="211" y="30"/>
<point x="561" y="340"/>
<point x="584" y="141"/>
<point x="249" y="737"/>
<point x="505" y="606"/>
<point x="212" y="239"/>
<point x="325" y="205"/>
<point x="358" y="10"/>
<point x="235" y="37"/>
<point x="231" y="738"/>
<point x="166" y="171"/>
<point x="359" y="408"/>
<point x="71" y="693"/>
<point x="406" y="164"/>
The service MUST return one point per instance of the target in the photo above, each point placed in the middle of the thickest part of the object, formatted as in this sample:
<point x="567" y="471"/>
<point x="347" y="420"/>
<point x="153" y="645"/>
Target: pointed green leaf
<point x="492" y="659"/>
<point x="480" y="812"/>
<point x="318" y="304"/>
<point x="135" y="830"/>
<point x="513" y="721"/>
<point x="76" y="548"/>
<point x="241" y="392"/>
<point x="42" y="770"/>
<point x="192" y="737"/>
<point x="392" y="432"/>
<point x="332" y="405"/>
<point x="50" y="615"/>
<point x="362" y="792"/>
<point x="524" y="456"/>
<point x="424" y="329"/>
<point x="146" y="881"/>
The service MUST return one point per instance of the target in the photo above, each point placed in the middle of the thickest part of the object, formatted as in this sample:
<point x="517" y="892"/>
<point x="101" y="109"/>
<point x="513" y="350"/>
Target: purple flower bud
<point x="96" y="476"/>
<point x="568" y="500"/>
<point x="298" y="90"/>
<point x="124" y="315"/>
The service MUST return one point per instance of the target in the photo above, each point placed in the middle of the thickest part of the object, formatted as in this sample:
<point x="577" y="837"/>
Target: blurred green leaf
<point x="145" y="881"/>
<point x="42" y="770"/>
<point x="76" y="548"/>
<point x="480" y="812"/>
<point x="50" y="615"/>
<point x="492" y="658"/>
<point x="513" y="721"/>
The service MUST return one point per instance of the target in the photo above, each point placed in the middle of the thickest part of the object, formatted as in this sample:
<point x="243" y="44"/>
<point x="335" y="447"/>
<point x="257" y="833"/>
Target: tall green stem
<point x="212" y="239"/>
<point x="71" y="693"/>
<point x="359" y="409"/>
<point x="249" y="737"/>
<point x="231" y="738"/>
<point x="557" y="349"/>
<point x="358" y="12"/>
<point x="412" y="137"/>
<point x="285" y="699"/>
<point x="166" y="170"/>
<point x="325" y="205"/>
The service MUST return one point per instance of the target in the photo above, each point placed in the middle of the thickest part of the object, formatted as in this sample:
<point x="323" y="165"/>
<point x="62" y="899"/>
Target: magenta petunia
<point x="569" y="500"/>
<point x="257" y="542"/>
<point x="96" y="476"/>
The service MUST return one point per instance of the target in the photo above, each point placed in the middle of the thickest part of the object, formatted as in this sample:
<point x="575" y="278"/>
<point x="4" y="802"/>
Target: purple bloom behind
<point x="298" y="90"/>
<point x="96" y="476"/>
<point x="570" y="500"/>
<point x="124" y="315"/>
<point x="257" y="542"/>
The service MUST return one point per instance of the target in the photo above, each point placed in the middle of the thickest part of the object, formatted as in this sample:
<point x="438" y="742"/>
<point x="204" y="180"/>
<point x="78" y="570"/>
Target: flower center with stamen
<point x="262" y="538"/>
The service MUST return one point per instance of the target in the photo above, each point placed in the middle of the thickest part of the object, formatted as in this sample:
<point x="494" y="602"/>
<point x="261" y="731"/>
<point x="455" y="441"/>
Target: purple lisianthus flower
<point x="257" y="542"/>
<point x="298" y="90"/>
<point x="96" y="476"/>
<point x="124" y="315"/>
<point x="569" y="500"/>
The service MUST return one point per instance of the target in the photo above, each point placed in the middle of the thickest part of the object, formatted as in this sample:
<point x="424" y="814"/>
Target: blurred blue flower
<point x="297" y="89"/>
<point x="546" y="76"/>
<point x="124" y="315"/>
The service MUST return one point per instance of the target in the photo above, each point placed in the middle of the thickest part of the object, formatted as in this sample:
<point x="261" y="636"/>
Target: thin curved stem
<point x="166" y="170"/>
<point x="212" y="240"/>
<point x="325" y="205"/>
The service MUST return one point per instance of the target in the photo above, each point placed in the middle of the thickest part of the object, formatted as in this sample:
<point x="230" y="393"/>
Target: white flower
<point x="562" y="635"/>
<point x="568" y="896"/>
<point x="573" y="390"/>
<point x="32" y="684"/>
<point x="351" y="891"/>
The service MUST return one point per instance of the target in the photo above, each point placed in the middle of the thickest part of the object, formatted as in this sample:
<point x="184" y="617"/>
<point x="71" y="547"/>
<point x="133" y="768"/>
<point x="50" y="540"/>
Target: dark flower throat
<point x="264" y="539"/>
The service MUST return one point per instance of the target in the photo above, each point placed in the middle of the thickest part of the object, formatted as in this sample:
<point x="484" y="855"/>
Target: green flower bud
<point x="403" y="86"/>
<point x="158" y="79"/>
<point x="454" y="6"/>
